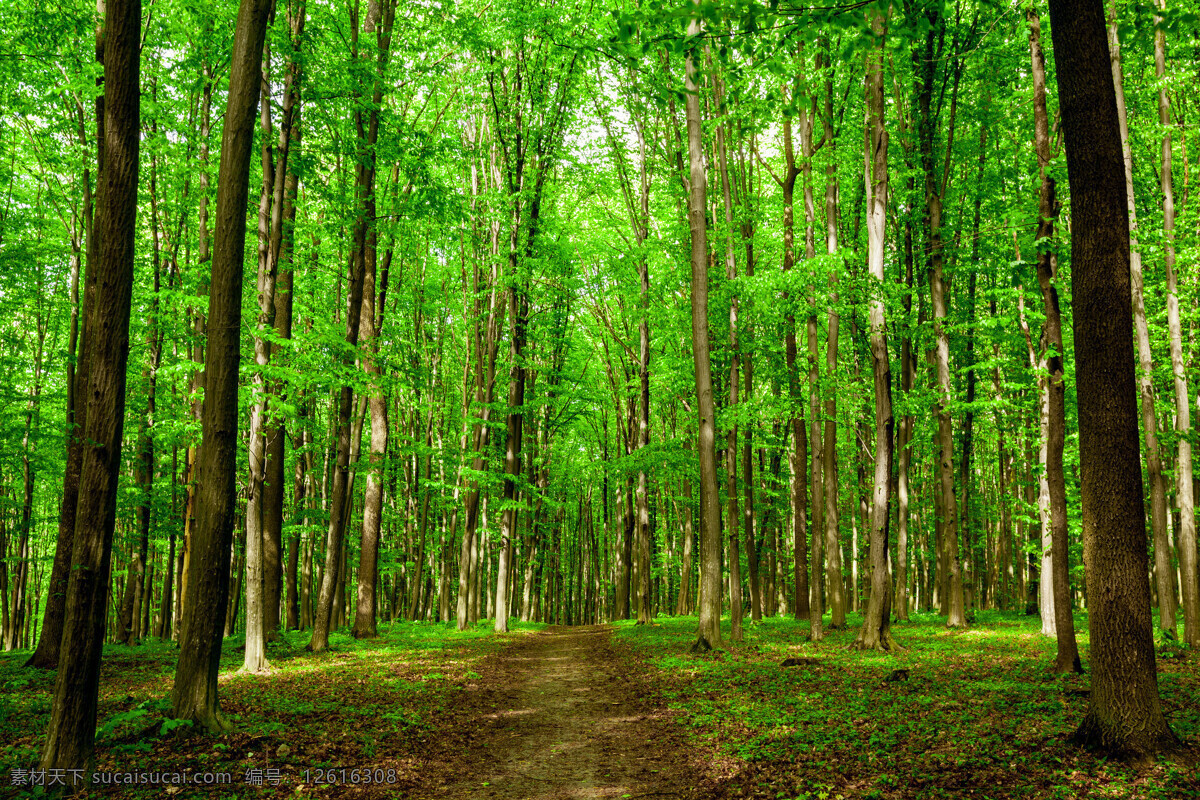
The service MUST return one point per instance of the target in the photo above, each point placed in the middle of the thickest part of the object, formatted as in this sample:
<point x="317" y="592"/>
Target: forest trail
<point x="563" y="714"/>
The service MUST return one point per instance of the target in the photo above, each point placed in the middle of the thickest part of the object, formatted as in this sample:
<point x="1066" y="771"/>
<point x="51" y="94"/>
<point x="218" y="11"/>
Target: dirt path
<point x="560" y="714"/>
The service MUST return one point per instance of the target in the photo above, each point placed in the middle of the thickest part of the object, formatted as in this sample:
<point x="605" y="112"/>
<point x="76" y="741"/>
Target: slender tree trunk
<point x="194" y="695"/>
<point x="255" y="653"/>
<point x="876" y="630"/>
<point x="21" y="594"/>
<point x="1154" y="466"/>
<point x="710" y="511"/>
<point x="1068" y="652"/>
<point x="834" y="586"/>
<point x="685" y="604"/>
<point x="641" y="232"/>
<point x="1183" y="421"/>
<point x="283" y="220"/>
<point x="370" y="325"/>
<point x="514" y="424"/>
<point x="378" y="23"/>
<point x="935" y="187"/>
<point x="799" y="498"/>
<point x="732" y="520"/>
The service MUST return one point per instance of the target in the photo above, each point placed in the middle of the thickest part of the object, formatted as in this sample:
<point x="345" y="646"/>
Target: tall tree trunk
<point x="908" y="369"/>
<point x="935" y="188"/>
<point x="370" y="325"/>
<point x="710" y="511"/>
<point x="128" y="632"/>
<point x="255" y="652"/>
<point x="1183" y="421"/>
<point x="1124" y="716"/>
<point x="834" y="587"/>
<point x="194" y="696"/>
<point x="877" y="620"/>
<point x="199" y="345"/>
<point x="21" y="595"/>
<point x="685" y="603"/>
<point x="283" y="223"/>
<point x="733" y="555"/>
<point x="378" y="23"/>
<point x="1067" y="659"/>
<point x="46" y="654"/>
<point x="1145" y="373"/>
<point x="70" y="735"/>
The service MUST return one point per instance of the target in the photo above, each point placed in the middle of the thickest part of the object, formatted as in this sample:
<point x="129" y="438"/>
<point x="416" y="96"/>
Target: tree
<point x="1067" y="659"/>
<point x="710" y="510"/>
<point x="1183" y="420"/>
<point x="71" y="733"/>
<point x="1124" y="716"/>
<point x="1163" y="570"/>
<point x="876" y="630"/>
<point x="377" y="23"/>
<point x="194" y="695"/>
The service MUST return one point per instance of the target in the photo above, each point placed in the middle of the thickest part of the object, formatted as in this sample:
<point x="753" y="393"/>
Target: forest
<point x="738" y="350"/>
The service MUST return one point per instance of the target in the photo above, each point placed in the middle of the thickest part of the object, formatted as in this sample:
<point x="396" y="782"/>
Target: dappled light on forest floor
<point x="973" y="714"/>
<point x="427" y="712"/>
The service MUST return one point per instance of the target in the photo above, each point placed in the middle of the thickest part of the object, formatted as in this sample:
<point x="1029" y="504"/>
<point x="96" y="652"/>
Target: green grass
<point x="361" y="704"/>
<point x="978" y="716"/>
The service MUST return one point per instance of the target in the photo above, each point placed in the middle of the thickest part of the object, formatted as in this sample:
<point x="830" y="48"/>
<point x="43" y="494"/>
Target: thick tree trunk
<point x="194" y="695"/>
<point x="71" y="732"/>
<point x="1124" y="716"/>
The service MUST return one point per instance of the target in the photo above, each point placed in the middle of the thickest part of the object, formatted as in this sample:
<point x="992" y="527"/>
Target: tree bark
<point x="834" y="587"/>
<point x="46" y="654"/>
<point x="1183" y="421"/>
<point x="1124" y="716"/>
<point x="1067" y="659"/>
<point x="255" y="652"/>
<point x="710" y="511"/>
<point x="71" y="733"/>
<point x="194" y="696"/>
<point x="374" y="303"/>
<point x="876" y="630"/>
<point x="378" y="23"/>
<point x="1158" y="493"/>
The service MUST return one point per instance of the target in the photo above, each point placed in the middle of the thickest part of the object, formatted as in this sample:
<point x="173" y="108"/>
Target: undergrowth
<point x="316" y="723"/>
<point x="971" y="713"/>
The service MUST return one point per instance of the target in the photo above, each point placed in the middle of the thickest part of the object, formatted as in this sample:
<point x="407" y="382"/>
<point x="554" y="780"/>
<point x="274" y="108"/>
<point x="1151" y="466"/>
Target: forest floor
<point x="615" y="711"/>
